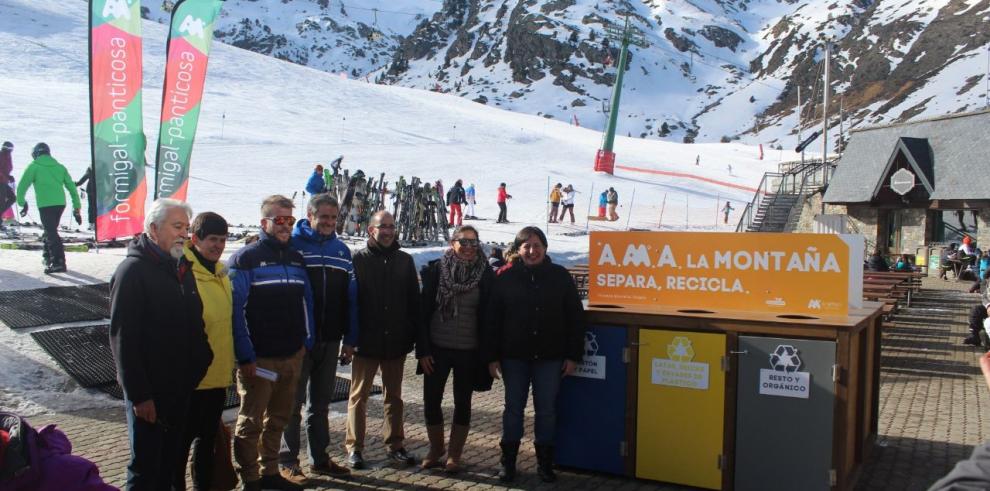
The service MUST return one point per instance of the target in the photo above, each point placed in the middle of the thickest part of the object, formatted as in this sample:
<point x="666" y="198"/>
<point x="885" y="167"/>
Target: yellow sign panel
<point x="817" y="274"/>
<point x="681" y="407"/>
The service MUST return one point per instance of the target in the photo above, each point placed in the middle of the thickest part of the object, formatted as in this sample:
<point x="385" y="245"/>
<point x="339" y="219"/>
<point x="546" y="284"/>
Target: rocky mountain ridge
<point x="713" y="70"/>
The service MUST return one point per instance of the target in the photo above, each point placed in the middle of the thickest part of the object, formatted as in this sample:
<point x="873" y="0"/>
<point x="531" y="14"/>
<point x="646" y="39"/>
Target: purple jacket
<point x="41" y="461"/>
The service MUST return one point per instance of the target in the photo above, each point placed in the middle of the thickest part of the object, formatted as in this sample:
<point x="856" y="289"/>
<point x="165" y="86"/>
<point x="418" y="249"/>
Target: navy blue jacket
<point x="273" y="302"/>
<point x="331" y="275"/>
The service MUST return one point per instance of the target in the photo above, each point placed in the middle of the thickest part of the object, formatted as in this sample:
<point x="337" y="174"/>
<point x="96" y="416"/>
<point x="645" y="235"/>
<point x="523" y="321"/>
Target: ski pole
<point x="629" y="213"/>
<point x="662" y="206"/>
<point x="587" y="220"/>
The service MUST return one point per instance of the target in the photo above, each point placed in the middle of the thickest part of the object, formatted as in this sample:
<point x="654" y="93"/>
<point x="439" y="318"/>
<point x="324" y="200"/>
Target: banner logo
<point x="117" y="9"/>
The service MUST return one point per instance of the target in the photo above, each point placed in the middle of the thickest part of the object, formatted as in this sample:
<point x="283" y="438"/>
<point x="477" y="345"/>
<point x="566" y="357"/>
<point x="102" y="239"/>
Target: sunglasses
<point x="282" y="220"/>
<point x="467" y="242"/>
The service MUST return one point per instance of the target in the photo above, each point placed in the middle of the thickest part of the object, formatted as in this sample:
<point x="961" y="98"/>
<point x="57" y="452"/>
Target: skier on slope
<point x="470" y="198"/>
<point x="568" y="203"/>
<point x="503" y="213"/>
<point x="455" y="198"/>
<point x="49" y="178"/>
<point x="90" y="192"/>
<point x="602" y="202"/>
<point x="613" y="202"/>
<point x="726" y="210"/>
<point x="555" y="197"/>
<point x="7" y="195"/>
<point x="316" y="183"/>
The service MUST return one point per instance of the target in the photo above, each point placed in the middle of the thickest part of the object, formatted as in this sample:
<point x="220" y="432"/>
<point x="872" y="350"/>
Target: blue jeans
<point x="544" y="375"/>
<point x="155" y="447"/>
<point x="316" y="383"/>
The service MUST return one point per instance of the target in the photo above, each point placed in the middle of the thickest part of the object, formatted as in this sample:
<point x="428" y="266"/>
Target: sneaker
<point x="972" y="341"/>
<point x="293" y="474"/>
<point x="55" y="268"/>
<point x="276" y="481"/>
<point x="330" y="468"/>
<point x="355" y="460"/>
<point x="400" y="456"/>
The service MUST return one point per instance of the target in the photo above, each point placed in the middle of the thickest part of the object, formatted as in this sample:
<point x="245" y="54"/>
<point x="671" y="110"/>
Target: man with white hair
<point x="158" y="341"/>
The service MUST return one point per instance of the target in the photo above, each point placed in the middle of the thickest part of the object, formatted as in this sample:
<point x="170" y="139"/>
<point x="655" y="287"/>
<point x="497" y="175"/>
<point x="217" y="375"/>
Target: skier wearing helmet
<point x="49" y="177"/>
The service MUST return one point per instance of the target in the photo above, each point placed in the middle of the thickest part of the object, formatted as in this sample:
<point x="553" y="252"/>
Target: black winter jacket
<point x="534" y="314"/>
<point x="388" y="303"/>
<point x="456" y="195"/>
<point x="156" y="325"/>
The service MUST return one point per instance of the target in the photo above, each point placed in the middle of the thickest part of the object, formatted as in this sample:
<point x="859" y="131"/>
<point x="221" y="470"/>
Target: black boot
<point x="544" y="463"/>
<point x="509" y="452"/>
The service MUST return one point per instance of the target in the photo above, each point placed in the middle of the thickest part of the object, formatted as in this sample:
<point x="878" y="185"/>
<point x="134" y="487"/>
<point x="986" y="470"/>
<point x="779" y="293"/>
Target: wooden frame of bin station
<point x="857" y="383"/>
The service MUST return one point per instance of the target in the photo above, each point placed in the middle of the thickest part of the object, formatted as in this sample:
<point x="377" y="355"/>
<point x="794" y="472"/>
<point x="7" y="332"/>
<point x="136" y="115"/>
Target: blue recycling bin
<point x="591" y="408"/>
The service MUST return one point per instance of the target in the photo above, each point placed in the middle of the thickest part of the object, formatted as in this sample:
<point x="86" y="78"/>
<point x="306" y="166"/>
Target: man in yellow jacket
<point x="208" y="239"/>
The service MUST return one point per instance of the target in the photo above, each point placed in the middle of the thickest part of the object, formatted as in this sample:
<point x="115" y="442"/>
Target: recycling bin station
<point x="704" y="395"/>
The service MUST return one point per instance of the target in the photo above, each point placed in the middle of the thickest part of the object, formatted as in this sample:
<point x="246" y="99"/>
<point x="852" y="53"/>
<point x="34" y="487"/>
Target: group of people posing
<point x="286" y="309"/>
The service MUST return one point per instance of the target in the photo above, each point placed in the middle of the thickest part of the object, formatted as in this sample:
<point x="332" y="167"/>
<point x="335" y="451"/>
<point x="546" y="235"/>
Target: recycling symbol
<point x="785" y="359"/>
<point x="680" y="349"/>
<point x="590" y="344"/>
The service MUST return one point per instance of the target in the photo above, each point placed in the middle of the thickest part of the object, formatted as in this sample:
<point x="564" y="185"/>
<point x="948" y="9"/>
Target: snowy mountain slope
<point x="265" y="123"/>
<point x="715" y="69"/>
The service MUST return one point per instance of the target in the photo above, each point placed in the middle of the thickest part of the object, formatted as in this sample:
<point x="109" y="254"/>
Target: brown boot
<point x="432" y="459"/>
<point x="458" y="435"/>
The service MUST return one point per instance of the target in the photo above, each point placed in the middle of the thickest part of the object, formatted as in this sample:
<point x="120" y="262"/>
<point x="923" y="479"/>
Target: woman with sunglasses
<point x="534" y="336"/>
<point x="456" y="288"/>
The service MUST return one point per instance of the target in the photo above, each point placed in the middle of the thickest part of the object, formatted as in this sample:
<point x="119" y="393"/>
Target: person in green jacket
<point x="49" y="178"/>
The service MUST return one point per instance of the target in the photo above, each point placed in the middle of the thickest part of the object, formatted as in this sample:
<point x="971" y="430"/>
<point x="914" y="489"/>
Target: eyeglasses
<point x="282" y="220"/>
<point x="386" y="226"/>
<point x="467" y="242"/>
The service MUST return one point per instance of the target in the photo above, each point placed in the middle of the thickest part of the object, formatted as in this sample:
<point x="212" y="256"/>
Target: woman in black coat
<point x="456" y="289"/>
<point x="534" y="337"/>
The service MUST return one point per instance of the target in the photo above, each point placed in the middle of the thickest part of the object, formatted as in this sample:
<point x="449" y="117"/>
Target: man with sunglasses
<point x="388" y="318"/>
<point x="273" y="328"/>
<point x="328" y="264"/>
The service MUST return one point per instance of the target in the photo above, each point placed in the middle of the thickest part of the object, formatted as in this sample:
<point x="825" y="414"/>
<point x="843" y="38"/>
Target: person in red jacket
<point x="502" y="211"/>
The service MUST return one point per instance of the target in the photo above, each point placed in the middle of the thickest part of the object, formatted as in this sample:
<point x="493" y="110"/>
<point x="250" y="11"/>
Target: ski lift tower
<point x="626" y="35"/>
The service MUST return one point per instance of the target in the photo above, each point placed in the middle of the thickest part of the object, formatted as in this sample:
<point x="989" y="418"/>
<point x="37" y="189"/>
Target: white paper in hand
<point x="266" y="374"/>
<point x="986" y="325"/>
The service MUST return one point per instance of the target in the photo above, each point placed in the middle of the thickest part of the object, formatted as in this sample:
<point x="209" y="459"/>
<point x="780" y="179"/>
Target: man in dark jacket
<point x="331" y="275"/>
<point x="159" y="346"/>
<point x="388" y="316"/>
<point x="87" y="179"/>
<point x="273" y="319"/>
<point x="455" y="198"/>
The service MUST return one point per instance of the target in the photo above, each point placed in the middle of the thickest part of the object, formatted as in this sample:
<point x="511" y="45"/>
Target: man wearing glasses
<point x="273" y="319"/>
<point x="388" y="315"/>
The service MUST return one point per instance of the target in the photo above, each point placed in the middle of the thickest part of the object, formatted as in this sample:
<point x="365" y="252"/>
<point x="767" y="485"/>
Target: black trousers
<point x="155" y="446"/>
<point x="91" y="206"/>
<point x="976" y="318"/>
<point x="53" y="253"/>
<point x="463" y="363"/>
<point x="202" y="423"/>
<point x="563" y="212"/>
<point x="502" y="212"/>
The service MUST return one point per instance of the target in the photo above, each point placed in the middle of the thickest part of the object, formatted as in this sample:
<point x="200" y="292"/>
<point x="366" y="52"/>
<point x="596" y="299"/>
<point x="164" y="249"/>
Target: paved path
<point x="932" y="397"/>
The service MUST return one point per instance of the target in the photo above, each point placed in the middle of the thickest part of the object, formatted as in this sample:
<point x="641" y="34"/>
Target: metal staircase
<point x="778" y="193"/>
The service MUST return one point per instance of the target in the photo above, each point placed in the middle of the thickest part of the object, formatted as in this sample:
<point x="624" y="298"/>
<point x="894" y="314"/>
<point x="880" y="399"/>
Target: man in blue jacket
<point x="273" y="328"/>
<point x="331" y="275"/>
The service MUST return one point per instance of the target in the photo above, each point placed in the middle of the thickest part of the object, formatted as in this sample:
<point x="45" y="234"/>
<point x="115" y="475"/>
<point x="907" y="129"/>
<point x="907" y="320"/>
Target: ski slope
<point x="266" y="123"/>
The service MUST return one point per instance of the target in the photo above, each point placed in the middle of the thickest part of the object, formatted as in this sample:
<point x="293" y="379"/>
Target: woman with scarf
<point x="456" y="288"/>
<point x="534" y="336"/>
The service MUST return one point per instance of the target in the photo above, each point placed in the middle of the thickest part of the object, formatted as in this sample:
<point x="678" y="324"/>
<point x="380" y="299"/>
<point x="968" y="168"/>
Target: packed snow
<point x="264" y="125"/>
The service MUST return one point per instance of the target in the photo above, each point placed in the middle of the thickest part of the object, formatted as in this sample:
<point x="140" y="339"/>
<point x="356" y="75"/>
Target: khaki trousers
<point x="363" y="372"/>
<point x="265" y="410"/>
